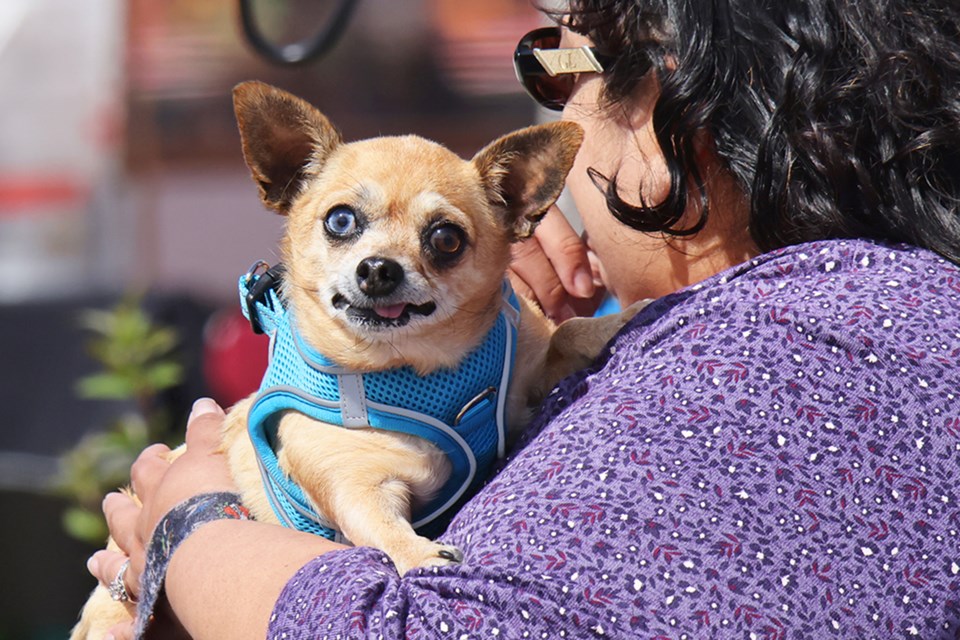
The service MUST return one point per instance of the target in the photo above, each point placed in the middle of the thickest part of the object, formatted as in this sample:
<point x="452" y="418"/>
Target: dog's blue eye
<point x="341" y="221"/>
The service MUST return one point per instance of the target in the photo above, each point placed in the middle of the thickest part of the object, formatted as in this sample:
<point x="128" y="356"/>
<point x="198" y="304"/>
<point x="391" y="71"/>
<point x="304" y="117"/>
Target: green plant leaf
<point x="97" y="320"/>
<point x="86" y="525"/>
<point x="164" y="375"/>
<point x="137" y="361"/>
<point x="160" y="341"/>
<point x="106" y="386"/>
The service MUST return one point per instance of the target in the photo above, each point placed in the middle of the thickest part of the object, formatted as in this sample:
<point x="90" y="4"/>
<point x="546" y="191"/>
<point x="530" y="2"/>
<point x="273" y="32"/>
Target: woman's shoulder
<point x="842" y="267"/>
<point x="860" y="286"/>
<point x="857" y="307"/>
<point x="867" y="262"/>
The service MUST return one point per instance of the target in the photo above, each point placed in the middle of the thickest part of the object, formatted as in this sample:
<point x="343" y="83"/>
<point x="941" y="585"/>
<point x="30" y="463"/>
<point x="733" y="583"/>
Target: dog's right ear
<point x="523" y="172"/>
<point x="283" y="137"/>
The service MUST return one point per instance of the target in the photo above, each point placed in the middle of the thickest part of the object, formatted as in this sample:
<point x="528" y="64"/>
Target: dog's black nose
<point x="379" y="277"/>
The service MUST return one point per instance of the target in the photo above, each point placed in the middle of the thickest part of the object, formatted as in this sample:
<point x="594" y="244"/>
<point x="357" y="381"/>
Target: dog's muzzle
<point x="382" y="316"/>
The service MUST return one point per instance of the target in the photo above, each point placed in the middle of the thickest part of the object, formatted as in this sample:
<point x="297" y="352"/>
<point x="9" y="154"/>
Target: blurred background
<point x="127" y="214"/>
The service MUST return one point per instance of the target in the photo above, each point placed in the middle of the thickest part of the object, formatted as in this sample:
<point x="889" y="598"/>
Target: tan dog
<point x="395" y="251"/>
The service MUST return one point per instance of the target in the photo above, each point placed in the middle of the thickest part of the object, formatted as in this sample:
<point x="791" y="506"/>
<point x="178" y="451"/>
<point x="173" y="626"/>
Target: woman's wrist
<point x="224" y="581"/>
<point x="172" y="529"/>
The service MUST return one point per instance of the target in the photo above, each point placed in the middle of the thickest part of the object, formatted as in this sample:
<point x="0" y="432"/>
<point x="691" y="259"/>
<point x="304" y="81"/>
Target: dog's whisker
<point x="395" y="349"/>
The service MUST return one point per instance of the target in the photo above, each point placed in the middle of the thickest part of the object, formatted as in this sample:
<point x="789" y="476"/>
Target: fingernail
<point x="110" y="497"/>
<point x="583" y="284"/>
<point x="109" y="636"/>
<point x="93" y="566"/>
<point x="595" y="269"/>
<point x="203" y="406"/>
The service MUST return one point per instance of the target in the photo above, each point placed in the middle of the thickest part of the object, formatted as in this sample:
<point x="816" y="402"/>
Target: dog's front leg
<point x="367" y="483"/>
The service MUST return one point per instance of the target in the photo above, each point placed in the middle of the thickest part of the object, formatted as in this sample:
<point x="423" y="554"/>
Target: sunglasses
<point x="548" y="72"/>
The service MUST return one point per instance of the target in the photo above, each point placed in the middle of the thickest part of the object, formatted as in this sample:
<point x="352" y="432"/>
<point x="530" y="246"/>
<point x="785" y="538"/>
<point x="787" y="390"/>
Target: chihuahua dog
<point x="395" y="257"/>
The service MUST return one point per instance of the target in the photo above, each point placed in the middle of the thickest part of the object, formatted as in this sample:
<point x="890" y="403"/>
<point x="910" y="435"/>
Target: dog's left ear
<point x="523" y="172"/>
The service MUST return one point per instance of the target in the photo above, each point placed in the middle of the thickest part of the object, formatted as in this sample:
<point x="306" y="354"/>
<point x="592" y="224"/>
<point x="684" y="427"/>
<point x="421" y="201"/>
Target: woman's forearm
<point x="224" y="579"/>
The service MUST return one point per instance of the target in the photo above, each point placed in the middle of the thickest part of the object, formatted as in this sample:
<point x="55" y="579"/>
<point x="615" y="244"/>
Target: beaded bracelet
<point x="171" y="531"/>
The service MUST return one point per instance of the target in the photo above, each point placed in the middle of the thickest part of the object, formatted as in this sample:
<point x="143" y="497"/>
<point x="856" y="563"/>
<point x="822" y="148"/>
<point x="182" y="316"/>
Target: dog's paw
<point x="451" y="554"/>
<point x="427" y="554"/>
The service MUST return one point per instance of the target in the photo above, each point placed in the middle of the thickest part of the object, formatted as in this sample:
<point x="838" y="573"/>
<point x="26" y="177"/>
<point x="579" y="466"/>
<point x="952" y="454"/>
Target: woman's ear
<point x="523" y="172"/>
<point x="283" y="138"/>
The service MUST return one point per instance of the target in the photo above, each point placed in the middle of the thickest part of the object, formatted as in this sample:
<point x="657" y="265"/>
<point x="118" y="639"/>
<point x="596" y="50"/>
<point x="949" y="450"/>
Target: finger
<point x="101" y="562"/>
<point x="531" y="265"/>
<point x="203" y="425"/>
<point x="589" y="306"/>
<point x="148" y="469"/>
<point x="567" y="252"/>
<point x="122" y="631"/>
<point x="105" y="566"/>
<point x="122" y="512"/>
<point x="520" y="287"/>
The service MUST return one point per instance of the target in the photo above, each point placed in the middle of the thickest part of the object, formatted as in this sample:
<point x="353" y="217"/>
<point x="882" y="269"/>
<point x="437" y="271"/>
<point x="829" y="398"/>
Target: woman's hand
<point x="159" y="486"/>
<point x="554" y="269"/>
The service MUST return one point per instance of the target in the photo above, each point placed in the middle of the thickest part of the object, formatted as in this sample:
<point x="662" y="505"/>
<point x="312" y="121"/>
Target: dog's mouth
<point x="383" y="316"/>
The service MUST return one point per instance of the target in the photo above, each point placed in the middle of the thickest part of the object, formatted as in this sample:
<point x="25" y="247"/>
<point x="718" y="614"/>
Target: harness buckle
<point x="477" y="399"/>
<point x="260" y="279"/>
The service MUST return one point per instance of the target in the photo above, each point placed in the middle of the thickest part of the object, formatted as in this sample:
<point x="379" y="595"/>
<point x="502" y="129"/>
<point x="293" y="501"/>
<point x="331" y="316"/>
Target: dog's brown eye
<point x="447" y="239"/>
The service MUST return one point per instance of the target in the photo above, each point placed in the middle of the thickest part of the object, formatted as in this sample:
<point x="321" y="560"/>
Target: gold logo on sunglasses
<point x="557" y="61"/>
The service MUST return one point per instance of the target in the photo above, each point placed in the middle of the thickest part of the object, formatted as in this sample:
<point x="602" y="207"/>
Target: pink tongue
<point x="392" y="311"/>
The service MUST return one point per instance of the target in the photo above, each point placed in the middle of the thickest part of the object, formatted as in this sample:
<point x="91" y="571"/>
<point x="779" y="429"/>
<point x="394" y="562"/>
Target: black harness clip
<point x="260" y="279"/>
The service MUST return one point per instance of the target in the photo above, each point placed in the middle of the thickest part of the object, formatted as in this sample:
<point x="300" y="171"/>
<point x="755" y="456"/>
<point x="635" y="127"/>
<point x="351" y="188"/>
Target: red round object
<point x="234" y="358"/>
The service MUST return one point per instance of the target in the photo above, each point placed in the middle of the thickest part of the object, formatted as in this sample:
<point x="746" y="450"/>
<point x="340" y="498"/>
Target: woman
<point x="768" y="449"/>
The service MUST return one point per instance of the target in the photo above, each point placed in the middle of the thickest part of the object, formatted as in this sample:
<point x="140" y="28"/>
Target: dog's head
<point x="395" y="248"/>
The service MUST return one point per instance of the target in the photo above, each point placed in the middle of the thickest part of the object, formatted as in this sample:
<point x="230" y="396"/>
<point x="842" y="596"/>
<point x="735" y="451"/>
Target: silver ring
<point x="117" y="588"/>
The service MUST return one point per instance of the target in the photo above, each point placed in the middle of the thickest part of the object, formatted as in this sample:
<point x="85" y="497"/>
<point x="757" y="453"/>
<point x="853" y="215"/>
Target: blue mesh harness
<point x="461" y="410"/>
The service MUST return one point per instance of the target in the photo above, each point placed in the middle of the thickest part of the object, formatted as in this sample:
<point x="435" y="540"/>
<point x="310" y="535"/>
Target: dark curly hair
<point x="839" y="118"/>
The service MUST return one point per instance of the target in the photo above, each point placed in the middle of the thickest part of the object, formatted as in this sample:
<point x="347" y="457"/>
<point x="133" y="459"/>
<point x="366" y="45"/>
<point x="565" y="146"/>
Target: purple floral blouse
<point x="772" y="453"/>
